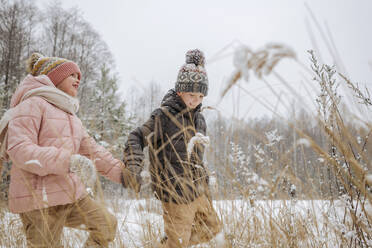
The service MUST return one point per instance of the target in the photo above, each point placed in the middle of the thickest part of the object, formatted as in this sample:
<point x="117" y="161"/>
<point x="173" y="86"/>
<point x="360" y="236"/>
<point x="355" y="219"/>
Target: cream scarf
<point x="52" y="95"/>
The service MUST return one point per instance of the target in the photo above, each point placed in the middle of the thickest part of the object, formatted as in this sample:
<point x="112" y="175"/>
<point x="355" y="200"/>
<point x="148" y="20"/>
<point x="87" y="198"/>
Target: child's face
<point x="191" y="99"/>
<point x="70" y="85"/>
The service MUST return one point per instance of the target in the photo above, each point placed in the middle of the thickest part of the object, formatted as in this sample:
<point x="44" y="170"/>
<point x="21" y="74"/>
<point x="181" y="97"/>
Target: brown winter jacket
<point x="175" y="176"/>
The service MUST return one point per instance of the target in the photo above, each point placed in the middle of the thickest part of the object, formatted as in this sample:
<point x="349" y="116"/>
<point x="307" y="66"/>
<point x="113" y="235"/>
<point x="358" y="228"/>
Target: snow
<point x="138" y="218"/>
<point x="261" y="61"/>
<point x="45" y="196"/>
<point x="220" y="240"/>
<point x="212" y="181"/>
<point x="273" y="137"/>
<point x="253" y="178"/>
<point x="34" y="161"/>
<point x="237" y="155"/>
<point x="242" y="55"/>
<point x="369" y="179"/>
<point x="304" y="142"/>
<point x="104" y="143"/>
<point x="146" y="177"/>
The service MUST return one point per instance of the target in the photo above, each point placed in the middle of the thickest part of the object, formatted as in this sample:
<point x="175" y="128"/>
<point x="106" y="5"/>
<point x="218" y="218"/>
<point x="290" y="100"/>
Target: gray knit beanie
<point x="192" y="76"/>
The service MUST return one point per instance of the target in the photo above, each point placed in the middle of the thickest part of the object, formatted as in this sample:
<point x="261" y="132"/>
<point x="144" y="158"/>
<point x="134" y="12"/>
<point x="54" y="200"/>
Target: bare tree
<point x="18" y="21"/>
<point x="66" y="34"/>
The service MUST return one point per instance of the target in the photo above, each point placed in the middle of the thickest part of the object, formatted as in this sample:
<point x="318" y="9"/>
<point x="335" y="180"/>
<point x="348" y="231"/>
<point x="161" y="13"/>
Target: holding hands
<point x="131" y="177"/>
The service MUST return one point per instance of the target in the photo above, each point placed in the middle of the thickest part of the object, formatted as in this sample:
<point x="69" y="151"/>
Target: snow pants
<point x="43" y="227"/>
<point x="190" y="224"/>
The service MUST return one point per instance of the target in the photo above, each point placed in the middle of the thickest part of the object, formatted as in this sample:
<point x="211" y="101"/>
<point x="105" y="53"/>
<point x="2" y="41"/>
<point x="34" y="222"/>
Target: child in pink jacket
<point x="44" y="136"/>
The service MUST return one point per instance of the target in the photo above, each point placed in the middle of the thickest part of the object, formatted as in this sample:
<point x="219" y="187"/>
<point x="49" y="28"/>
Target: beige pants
<point x="190" y="224"/>
<point x="44" y="227"/>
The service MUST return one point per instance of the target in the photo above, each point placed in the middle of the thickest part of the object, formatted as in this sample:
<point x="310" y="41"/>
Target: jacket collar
<point x="176" y="104"/>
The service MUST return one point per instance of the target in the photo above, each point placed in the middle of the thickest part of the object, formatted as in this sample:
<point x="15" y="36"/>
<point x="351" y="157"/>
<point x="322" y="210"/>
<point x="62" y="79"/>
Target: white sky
<point x="149" y="39"/>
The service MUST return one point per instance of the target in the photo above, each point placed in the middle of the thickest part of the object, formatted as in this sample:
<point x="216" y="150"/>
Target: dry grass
<point x="269" y="213"/>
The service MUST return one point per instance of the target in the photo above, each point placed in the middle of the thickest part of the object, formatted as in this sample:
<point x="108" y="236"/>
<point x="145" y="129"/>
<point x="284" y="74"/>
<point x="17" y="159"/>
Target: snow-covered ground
<point x="140" y="222"/>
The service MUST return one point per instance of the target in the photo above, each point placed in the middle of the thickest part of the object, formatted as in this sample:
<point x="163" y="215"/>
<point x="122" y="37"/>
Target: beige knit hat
<point x="57" y="69"/>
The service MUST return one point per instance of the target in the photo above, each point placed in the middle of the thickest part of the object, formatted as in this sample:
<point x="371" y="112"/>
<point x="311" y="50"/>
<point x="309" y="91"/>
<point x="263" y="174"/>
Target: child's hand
<point x="85" y="169"/>
<point x="131" y="177"/>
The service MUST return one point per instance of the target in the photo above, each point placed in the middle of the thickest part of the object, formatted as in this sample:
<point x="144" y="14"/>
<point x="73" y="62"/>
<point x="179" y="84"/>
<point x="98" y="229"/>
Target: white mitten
<point x="199" y="138"/>
<point x="85" y="169"/>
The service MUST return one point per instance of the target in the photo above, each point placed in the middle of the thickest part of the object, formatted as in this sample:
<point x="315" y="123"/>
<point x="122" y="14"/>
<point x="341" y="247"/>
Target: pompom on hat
<point x="192" y="76"/>
<point x="57" y="69"/>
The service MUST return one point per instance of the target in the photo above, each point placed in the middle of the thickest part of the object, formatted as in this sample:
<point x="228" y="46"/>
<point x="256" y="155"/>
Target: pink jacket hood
<point x="29" y="83"/>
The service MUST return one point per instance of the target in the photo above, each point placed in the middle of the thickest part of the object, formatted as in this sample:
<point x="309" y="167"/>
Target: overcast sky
<point x="149" y="39"/>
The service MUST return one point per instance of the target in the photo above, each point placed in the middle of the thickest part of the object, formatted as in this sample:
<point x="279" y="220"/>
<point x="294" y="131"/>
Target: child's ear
<point x="179" y="93"/>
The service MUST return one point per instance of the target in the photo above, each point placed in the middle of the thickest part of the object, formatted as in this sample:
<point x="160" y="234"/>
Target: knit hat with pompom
<point x="57" y="69"/>
<point x="192" y="77"/>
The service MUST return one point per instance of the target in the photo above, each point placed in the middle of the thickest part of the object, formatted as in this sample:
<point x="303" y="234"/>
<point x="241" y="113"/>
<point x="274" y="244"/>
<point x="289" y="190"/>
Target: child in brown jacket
<point x="179" y="178"/>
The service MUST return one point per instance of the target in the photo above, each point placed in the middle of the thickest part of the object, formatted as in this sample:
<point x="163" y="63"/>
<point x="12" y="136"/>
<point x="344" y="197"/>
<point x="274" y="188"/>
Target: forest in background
<point x="268" y="150"/>
<point x="306" y="154"/>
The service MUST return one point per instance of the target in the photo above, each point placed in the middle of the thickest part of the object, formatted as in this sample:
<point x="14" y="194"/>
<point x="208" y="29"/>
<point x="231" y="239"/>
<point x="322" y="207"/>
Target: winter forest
<point x="303" y="179"/>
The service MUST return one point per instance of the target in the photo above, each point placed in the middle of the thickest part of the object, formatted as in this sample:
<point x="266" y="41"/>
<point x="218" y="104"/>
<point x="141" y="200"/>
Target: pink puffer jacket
<point x="41" y="139"/>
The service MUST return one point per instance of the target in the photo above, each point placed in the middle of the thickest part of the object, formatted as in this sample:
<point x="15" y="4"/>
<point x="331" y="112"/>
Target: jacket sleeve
<point x="201" y="124"/>
<point x="23" y="148"/>
<point x="137" y="141"/>
<point x="105" y="163"/>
